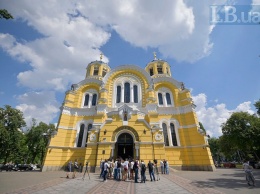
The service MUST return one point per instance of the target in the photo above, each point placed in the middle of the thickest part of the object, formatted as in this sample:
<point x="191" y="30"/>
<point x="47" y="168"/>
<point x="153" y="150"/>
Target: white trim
<point x="66" y="147"/>
<point x="176" y="128"/>
<point x="126" y="67"/>
<point x="91" y="92"/>
<point x="125" y="131"/>
<point x="188" y="126"/>
<point x="78" y="124"/>
<point x="66" y="128"/>
<point x="132" y="80"/>
<point x="163" y="91"/>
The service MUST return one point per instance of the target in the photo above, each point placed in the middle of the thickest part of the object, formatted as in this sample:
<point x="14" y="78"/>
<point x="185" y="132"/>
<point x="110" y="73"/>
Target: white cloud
<point x="39" y="105"/>
<point x="74" y="31"/>
<point x="179" y="29"/>
<point x="213" y="117"/>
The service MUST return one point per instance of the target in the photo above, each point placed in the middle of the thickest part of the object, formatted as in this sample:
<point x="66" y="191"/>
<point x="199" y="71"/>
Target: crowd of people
<point x="122" y="170"/>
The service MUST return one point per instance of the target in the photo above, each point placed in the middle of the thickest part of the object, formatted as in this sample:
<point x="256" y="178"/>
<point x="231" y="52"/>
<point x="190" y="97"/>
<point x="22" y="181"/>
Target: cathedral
<point x="129" y="112"/>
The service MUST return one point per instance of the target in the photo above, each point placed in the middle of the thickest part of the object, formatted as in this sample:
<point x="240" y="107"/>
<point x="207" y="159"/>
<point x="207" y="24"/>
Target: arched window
<point x="127" y="92"/>
<point x="160" y="99"/>
<point x="95" y="71"/>
<point x="118" y="94"/>
<point x="104" y="72"/>
<point x="86" y="100"/>
<point x="81" y="132"/>
<point x="174" y="139"/>
<point x="89" y="127"/>
<point x="165" y="134"/>
<point x="151" y="71"/>
<point x="159" y="69"/>
<point x="94" y="100"/>
<point x="135" y="94"/>
<point x="168" y="99"/>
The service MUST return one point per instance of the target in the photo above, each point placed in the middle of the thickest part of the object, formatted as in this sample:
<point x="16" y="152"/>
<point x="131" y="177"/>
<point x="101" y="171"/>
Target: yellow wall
<point x="191" y="154"/>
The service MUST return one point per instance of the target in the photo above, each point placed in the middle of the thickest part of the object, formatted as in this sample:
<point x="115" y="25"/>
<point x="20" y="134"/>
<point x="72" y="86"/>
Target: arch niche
<point x="125" y="139"/>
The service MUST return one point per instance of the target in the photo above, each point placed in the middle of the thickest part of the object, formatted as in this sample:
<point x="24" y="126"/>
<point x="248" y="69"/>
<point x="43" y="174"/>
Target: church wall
<point x="191" y="154"/>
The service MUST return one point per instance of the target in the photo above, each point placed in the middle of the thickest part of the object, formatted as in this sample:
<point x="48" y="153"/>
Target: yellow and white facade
<point x="129" y="112"/>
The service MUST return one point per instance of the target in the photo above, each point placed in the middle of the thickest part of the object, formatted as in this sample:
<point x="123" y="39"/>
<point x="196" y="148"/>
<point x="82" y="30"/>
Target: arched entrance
<point x="125" y="146"/>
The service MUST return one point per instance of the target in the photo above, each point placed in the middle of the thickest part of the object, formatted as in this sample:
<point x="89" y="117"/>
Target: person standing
<point x="143" y="169"/>
<point x="115" y="170"/>
<point x="69" y="169"/>
<point x="162" y="166"/>
<point x="132" y="169"/>
<point x="106" y="167"/>
<point x="151" y="170"/>
<point x="101" y="168"/>
<point x="127" y="167"/>
<point x="110" y="172"/>
<point x="136" y="168"/>
<point x="119" y="169"/>
<point x="167" y="167"/>
<point x="156" y="171"/>
<point x="249" y="175"/>
<point x="75" y="168"/>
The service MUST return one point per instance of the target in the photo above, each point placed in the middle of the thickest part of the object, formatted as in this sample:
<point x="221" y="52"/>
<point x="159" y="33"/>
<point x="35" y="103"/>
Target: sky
<point x="48" y="45"/>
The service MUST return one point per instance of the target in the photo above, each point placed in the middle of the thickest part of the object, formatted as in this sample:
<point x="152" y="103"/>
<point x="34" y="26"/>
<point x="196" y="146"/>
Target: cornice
<point x="167" y="79"/>
<point x="79" y="111"/>
<point x="87" y="81"/>
<point x="150" y="109"/>
<point x="127" y="67"/>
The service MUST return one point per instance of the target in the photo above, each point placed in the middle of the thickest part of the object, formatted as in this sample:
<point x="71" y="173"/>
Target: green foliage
<point x="37" y="140"/>
<point x="18" y="147"/>
<point x="214" y="146"/>
<point x="241" y="133"/>
<point x="11" y="121"/>
<point x="5" y="14"/>
<point x="257" y="106"/>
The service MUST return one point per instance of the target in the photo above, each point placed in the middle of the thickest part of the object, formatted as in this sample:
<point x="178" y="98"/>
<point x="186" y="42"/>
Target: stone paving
<point x="56" y="182"/>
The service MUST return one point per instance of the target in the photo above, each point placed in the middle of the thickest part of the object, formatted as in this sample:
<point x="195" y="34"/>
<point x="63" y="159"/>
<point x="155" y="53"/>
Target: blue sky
<point x="48" y="45"/>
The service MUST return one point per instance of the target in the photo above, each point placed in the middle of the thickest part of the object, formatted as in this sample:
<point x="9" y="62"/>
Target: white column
<point x="112" y="150"/>
<point x="169" y="135"/>
<point x="90" y="100"/>
<point x="122" y="93"/>
<point x="164" y="99"/>
<point x="137" y="151"/>
<point x="131" y="94"/>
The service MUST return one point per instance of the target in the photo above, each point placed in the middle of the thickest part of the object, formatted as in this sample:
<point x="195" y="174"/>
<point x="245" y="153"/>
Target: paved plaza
<point x="183" y="182"/>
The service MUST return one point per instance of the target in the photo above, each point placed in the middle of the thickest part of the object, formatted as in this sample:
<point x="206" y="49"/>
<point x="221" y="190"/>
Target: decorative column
<point x="112" y="149"/>
<point x="90" y="100"/>
<point x="137" y="151"/>
<point x="131" y="94"/>
<point x="164" y="99"/>
<point x="122" y="93"/>
<point x="100" y="70"/>
<point x="169" y="135"/>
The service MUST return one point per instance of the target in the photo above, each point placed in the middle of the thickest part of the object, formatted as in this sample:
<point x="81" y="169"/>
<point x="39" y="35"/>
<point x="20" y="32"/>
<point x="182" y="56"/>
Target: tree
<point x="37" y="140"/>
<point x="5" y="14"/>
<point x="11" y="122"/>
<point x="257" y="106"/>
<point x="241" y="133"/>
<point x="214" y="148"/>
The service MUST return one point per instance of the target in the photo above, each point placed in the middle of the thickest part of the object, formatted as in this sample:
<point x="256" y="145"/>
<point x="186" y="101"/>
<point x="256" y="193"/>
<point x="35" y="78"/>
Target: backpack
<point x="143" y="167"/>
